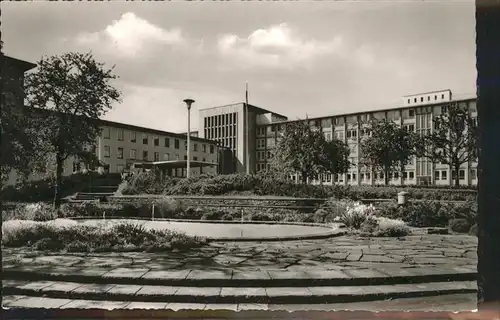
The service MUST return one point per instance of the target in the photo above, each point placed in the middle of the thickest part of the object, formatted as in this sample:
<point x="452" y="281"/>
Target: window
<point x="354" y="177"/>
<point x="442" y="96"/>
<point x="156" y="156"/>
<point x="176" y="156"/>
<point x="176" y="143"/>
<point x="167" y="141"/>
<point x="144" y="139"/>
<point x="408" y="100"/>
<point x="107" y="151"/>
<point x="132" y="154"/>
<point x="352" y="133"/>
<point x="261" y="143"/>
<point x="415" y="100"/>
<point x="107" y="133"/>
<point x="328" y="136"/>
<point x="119" y="154"/>
<point x="411" y="113"/>
<point x="473" y="174"/>
<point x="185" y="157"/>
<point x="405" y="175"/>
<point x="133" y="136"/>
<point x="361" y="176"/>
<point x="461" y="174"/>
<point x="185" y="145"/>
<point x="444" y="174"/>
<point x="204" y="148"/>
<point x="412" y="175"/>
<point x="367" y="176"/>
<point x="396" y="175"/>
<point x="422" y="99"/>
<point x="195" y="158"/>
<point x="204" y="160"/>
<point x="195" y="147"/>
<point x="428" y="98"/>
<point x="212" y="149"/>
<point x="120" y="134"/>
<point x="166" y="156"/>
<point x="156" y="141"/>
<point x="436" y="175"/>
<point x="119" y="168"/>
<point x="145" y="155"/>
<point x="435" y="97"/>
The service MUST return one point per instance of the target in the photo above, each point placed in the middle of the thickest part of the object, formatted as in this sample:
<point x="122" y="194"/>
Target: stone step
<point x="448" y="302"/>
<point x="232" y="295"/>
<point x="242" y="278"/>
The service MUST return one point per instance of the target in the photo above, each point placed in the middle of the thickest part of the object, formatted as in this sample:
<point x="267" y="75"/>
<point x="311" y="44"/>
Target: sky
<point x="299" y="58"/>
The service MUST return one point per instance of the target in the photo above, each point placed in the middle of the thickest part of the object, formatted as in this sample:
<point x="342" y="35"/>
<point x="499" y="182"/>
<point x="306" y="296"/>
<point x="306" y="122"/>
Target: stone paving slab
<point x="449" y="302"/>
<point x="310" y="294"/>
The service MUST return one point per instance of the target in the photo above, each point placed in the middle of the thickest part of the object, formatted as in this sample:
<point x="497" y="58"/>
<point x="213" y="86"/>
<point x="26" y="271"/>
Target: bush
<point x="460" y="225"/>
<point x="43" y="189"/>
<point x="33" y="211"/>
<point x="356" y="214"/>
<point x="168" y="207"/>
<point x="78" y="238"/>
<point x="260" y="184"/>
<point x="429" y="213"/>
<point x="391" y="228"/>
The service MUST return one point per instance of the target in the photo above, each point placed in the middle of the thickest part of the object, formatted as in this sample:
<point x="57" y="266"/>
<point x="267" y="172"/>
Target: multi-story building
<point x="229" y="125"/>
<point x="416" y="113"/>
<point x="121" y="147"/>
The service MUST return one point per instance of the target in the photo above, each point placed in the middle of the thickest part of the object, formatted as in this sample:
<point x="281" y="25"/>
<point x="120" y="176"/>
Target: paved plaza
<point x="345" y="253"/>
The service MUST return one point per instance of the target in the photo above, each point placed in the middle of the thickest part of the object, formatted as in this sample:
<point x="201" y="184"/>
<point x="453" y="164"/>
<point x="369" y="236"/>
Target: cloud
<point x="130" y="36"/>
<point x="278" y="46"/>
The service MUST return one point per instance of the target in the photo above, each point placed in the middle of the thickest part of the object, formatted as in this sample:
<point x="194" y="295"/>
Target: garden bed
<point x="68" y="235"/>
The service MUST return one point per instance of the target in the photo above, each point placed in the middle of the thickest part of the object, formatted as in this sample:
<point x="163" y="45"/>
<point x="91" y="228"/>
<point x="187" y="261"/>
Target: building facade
<point x="416" y="114"/>
<point x="229" y="125"/>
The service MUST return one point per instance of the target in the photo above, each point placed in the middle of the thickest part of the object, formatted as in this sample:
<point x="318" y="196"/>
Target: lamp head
<point x="189" y="102"/>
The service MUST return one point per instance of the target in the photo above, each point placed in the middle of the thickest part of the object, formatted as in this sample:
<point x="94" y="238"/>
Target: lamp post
<point x="188" y="102"/>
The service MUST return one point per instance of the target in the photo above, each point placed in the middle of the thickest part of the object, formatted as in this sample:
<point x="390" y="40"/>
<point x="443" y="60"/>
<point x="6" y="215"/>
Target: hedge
<point x="148" y="183"/>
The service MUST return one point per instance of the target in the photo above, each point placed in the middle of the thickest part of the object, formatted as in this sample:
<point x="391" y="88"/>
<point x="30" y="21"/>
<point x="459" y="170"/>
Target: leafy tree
<point x="389" y="147"/>
<point x="302" y="149"/>
<point x="335" y="157"/>
<point x="19" y="139"/>
<point x="69" y="93"/>
<point x="453" y="141"/>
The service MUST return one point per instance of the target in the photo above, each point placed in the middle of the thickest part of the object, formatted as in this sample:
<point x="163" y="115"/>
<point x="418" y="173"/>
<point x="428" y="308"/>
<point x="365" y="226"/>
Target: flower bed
<point x="68" y="236"/>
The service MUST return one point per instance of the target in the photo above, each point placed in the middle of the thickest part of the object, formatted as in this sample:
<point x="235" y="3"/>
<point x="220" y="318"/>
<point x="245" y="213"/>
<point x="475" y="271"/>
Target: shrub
<point x="34" y="211"/>
<point x="320" y="216"/>
<point x="213" y="215"/>
<point x="168" y="207"/>
<point x="391" y="228"/>
<point x="460" y="225"/>
<point x="355" y="214"/>
<point x="425" y="214"/>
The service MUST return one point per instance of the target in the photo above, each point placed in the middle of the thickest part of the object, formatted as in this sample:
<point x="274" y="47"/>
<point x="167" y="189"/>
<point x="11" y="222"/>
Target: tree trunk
<point x="457" y="176"/>
<point x="304" y="178"/>
<point x="386" y="177"/>
<point x="488" y="68"/>
<point x="57" y="187"/>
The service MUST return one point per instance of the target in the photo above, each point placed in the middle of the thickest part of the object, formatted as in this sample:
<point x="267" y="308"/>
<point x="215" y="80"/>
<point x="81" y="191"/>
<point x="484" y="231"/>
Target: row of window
<point x="263" y="155"/>
<point x="145" y="154"/>
<point x="227" y="131"/>
<point x="145" y="139"/>
<point x="220" y="120"/>
<point x="428" y="98"/>
<point x="263" y="166"/>
<point x="443" y="174"/>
